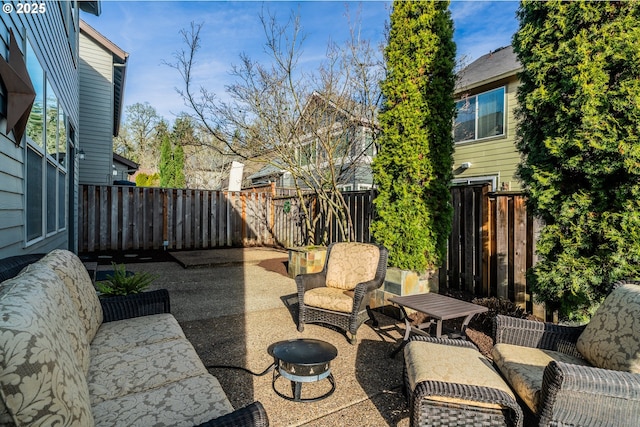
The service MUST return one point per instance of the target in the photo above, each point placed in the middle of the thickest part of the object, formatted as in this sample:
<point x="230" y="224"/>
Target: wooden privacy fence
<point x="114" y="218"/>
<point x="492" y="244"/>
<point x="490" y="248"/>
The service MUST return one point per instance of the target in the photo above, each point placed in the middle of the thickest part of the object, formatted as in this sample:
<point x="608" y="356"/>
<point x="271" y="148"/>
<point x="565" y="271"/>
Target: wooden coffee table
<point x="438" y="308"/>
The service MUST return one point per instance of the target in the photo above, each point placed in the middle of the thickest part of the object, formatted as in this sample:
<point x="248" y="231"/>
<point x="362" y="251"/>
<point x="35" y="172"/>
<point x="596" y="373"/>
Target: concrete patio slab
<point x="238" y="302"/>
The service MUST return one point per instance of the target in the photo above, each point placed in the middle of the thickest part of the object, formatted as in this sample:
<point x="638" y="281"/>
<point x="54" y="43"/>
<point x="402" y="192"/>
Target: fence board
<point x="468" y="245"/>
<point x="502" y="247"/>
<point x="519" y="252"/>
<point x="115" y="229"/>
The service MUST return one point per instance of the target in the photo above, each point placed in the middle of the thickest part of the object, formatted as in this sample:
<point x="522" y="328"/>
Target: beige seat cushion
<point x="350" y="264"/>
<point x="139" y="331"/>
<point x="83" y="294"/>
<point x="42" y="340"/>
<point x="523" y="367"/>
<point x="138" y="369"/>
<point x="333" y="299"/>
<point x="456" y="365"/>
<point x="611" y="340"/>
<point x="183" y="403"/>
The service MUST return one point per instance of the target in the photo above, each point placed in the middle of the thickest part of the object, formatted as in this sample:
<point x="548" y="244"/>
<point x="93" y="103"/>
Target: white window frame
<point x="46" y="159"/>
<point x="476" y="119"/>
<point x="492" y="179"/>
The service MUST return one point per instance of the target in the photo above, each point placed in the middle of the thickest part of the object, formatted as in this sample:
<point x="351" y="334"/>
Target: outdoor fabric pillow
<point x="73" y="273"/>
<point x="41" y="380"/>
<point x="350" y="264"/>
<point x="611" y="340"/>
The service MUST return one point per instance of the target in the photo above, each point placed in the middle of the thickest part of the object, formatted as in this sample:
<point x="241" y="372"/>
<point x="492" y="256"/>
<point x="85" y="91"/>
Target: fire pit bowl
<point x="303" y="361"/>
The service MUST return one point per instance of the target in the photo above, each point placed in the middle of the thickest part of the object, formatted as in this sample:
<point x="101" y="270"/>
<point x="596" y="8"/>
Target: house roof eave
<point x="488" y="81"/>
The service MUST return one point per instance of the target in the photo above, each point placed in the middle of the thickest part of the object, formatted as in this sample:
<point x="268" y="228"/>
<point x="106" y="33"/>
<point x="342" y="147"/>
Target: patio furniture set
<point x="560" y="375"/>
<point x="69" y="357"/>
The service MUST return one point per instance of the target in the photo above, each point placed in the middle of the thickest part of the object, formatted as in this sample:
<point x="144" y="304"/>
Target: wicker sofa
<point x="577" y="376"/>
<point x="70" y="358"/>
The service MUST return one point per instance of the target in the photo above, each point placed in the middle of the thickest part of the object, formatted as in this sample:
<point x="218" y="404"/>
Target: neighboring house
<point x="123" y="170"/>
<point x="102" y="69"/>
<point x="485" y="126"/>
<point x="353" y="135"/>
<point x="38" y="162"/>
<point x="274" y="172"/>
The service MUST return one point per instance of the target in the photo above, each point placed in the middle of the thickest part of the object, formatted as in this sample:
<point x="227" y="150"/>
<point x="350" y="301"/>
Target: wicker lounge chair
<point x="339" y="294"/>
<point x="577" y="376"/>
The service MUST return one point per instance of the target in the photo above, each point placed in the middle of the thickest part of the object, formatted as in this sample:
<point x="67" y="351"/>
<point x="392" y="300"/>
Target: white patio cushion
<point x="42" y="380"/>
<point x="73" y="273"/>
<point x="138" y="369"/>
<point x="350" y="264"/>
<point x="611" y="340"/>
<point x="333" y="299"/>
<point x="523" y="367"/>
<point x="456" y="365"/>
<point x="140" y="331"/>
<point x="183" y="403"/>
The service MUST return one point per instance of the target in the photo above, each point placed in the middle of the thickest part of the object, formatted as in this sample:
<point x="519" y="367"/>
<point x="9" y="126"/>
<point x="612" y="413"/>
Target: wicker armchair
<point x="339" y="294"/>
<point x="578" y="376"/>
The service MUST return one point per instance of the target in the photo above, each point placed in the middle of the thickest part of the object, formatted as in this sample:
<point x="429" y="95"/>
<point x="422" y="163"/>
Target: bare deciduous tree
<point x="316" y="125"/>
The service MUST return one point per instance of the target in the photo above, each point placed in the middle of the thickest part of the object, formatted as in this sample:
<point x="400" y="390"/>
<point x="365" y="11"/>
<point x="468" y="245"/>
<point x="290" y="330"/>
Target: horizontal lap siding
<point x="493" y="156"/>
<point x="96" y="112"/>
<point x="47" y="35"/>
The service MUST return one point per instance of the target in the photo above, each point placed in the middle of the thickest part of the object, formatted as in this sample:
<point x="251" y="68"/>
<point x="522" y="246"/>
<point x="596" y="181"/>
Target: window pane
<point x="491" y="113"/>
<point x="62" y="138"/>
<point x="369" y="146"/>
<point x="34" y="195"/>
<point x="62" y="200"/>
<point x="341" y="146"/>
<point x="52" y="172"/>
<point x="52" y="122"/>
<point x="307" y="154"/>
<point x="35" y="124"/>
<point x="464" y="128"/>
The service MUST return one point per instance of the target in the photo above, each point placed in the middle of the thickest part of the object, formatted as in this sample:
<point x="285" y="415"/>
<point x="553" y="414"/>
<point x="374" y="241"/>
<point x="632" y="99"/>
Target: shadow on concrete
<point x="384" y="389"/>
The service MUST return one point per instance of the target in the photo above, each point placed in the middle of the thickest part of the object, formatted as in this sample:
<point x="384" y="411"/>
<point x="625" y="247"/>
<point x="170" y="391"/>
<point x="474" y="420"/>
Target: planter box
<point x="400" y="282"/>
<point x="306" y="259"/>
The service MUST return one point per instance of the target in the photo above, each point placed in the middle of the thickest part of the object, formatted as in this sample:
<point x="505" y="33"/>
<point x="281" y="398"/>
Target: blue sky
<point x="149" y="31"/>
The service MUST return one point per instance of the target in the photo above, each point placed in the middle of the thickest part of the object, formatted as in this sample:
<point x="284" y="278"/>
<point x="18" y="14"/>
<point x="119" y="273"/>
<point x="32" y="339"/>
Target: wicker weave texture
<point x="574" y="395"/>
<point x="349" y="322"/>
<point x="424" y="411"/>
<point x="250" y="415"/>
<point x="135" y="305"/>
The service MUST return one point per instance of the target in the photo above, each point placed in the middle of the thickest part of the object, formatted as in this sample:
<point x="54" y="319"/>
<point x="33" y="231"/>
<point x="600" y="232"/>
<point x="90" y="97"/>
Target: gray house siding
<point x="47" y="34"/>
<point x="96" y="112"/>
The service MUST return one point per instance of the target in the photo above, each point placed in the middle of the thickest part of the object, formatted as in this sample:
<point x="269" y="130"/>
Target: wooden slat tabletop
<point x="440" y="307"/>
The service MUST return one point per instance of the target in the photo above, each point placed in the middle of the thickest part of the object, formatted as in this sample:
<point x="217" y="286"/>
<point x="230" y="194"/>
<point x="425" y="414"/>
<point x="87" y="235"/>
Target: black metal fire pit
<point x="303" y="361"/>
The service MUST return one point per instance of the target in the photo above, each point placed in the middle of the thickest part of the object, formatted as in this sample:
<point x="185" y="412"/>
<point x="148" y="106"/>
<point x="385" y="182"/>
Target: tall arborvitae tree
<point x="166" y="166"/>
<point x="413" y="167"/>
<point x="179" y="180"/>
<point x="579" y="112"/>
